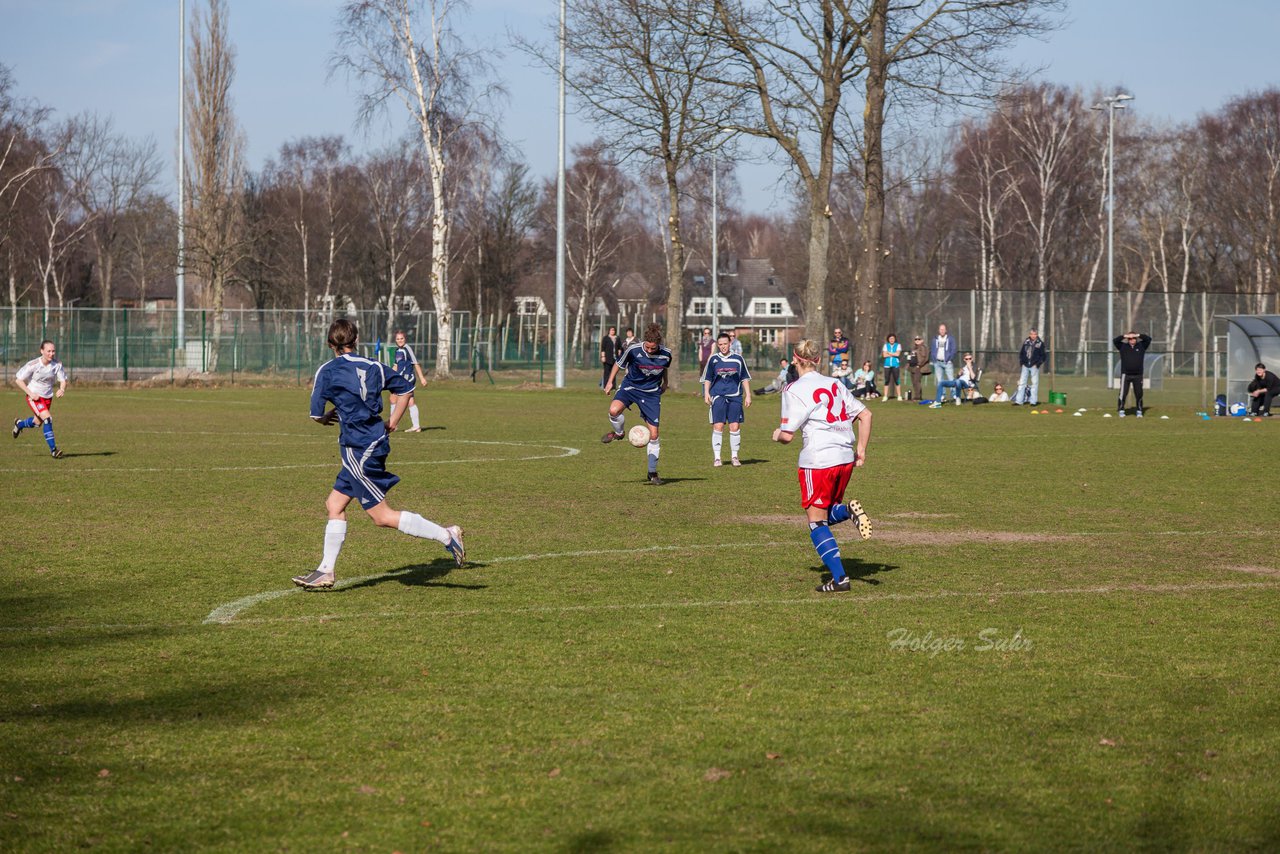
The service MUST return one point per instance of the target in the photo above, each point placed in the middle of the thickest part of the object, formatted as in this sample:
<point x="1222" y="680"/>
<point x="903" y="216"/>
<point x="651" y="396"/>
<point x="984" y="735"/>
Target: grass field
<point x="1062" y="635"/>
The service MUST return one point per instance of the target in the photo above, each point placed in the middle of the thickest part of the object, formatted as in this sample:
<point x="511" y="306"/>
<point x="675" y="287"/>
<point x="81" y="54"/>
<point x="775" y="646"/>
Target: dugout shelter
<point x="1251" y="338"/>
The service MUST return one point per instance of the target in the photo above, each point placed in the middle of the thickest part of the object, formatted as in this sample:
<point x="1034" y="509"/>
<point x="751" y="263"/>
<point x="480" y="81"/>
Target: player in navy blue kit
<point x="725" y="389"/>
<point x="407" y="366"/>
<point x="646" y="366"/>
<point x="354" y="385"/>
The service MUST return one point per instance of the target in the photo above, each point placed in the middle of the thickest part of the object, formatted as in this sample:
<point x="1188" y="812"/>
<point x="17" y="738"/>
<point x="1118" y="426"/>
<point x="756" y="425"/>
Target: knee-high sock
<point x="48" y="435"/>
<point x="655" y="448"/>
<point x="839" y="513"/>
<point x="828" y="550"/>
<point x="415" y="526"/>
<point x="616" y="423"/>
<point x="413" y="415"/>
<point x="717" y="442"/>
<point x="27" y="422"/>
<point x="735" y="442"/>
<point x="335" y="532"/>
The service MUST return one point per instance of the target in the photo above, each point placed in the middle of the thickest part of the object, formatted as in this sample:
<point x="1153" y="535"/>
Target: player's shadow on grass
<point x="67" y="456"/>
<point x="751" y="462"/>
<point x="421" y="575"/>
<point x="860" y="570"/>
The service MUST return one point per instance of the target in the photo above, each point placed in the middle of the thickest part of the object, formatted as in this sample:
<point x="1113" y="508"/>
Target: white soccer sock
<point x="717" y="441"/>
<point x="415" y="526"/>
<point x="735" y="442"/>
<point x="413" y="415"/>
<point x="335" y="532"/>
<point x="655" y="448"/>
<point x="616" y="423"/>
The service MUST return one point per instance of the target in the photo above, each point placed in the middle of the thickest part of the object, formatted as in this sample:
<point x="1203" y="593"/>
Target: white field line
<point x="565" y="451"/>
<point x="1098" y="590"/>
<point x="183" y="400"/>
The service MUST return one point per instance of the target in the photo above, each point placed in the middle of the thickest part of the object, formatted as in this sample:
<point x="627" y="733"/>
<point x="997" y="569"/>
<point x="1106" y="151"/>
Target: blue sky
<point x="1180" y="58"/>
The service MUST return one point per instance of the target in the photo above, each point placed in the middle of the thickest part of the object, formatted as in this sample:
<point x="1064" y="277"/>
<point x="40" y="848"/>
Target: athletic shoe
<point x="1015" y="403"/>
<point x="1138" y="413"/>
<point x="314" y="580"/>
<point x="654" y="480"/>
<point x="16" y="428"/>
<point x="935" y="405"/>
<point x="611" y="437"/>
<point x="1120" y="413"/>
<point x="716" y="464"/>
<point x="833" y="586"/>
<point x="859" y="518"/>
<point x="412" y="430"/>
<point x="737" y="463"/>
<point x="56" y="453"/>
<point x="957" y="401"/>
<point x="455" y="547"/>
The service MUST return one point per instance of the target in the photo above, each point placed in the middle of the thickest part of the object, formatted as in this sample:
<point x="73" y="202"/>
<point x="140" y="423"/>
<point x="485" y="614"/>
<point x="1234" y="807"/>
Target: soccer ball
<point x="638" y="435"/>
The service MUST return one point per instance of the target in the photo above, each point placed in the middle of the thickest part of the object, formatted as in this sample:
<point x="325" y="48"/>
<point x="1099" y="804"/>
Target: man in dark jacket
<point x="1263" y="390"/>
<point x="608" y="353"/>
<point x="1030" y="359"/>
<point x="1133" y="351"/>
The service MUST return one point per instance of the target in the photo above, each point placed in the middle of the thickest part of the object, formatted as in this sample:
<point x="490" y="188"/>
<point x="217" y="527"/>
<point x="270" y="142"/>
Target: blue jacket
<point x="1032" y="353"/>
<point x="950" y="350"/>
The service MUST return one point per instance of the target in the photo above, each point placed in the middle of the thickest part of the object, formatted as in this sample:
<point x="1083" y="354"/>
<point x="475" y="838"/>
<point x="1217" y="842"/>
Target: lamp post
<point x="561" y="314"/>
<point x="1111" y="104"/>
<point x="715" y="247"/>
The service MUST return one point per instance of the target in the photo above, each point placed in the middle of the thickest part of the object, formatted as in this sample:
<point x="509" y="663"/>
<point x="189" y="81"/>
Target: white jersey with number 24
<point x="822" y="410"/>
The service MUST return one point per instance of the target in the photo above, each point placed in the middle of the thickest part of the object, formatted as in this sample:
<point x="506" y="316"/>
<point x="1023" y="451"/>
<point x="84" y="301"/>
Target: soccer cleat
<point x="610" y="437"/>
<point x="833" y="586"/>
<point x="412" y="430"/>
<point x="56" y="453"/>
<point x="16" y="428"/>
<point x="315" y="580"/>
<point x="737" y="463"/>
<point x="716" y="463"/>
<point x="455" y="547"/>
<point x="654" y="480"/>
<point x="860" y="518"/>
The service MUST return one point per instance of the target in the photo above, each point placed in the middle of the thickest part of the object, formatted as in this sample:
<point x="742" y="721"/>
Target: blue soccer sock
<point x="828" y="549"/>
<point x="27" y="422"/>
<point x="839" y="513"/>
<point x="48" y="435"/>
<point x="654" y="450"/>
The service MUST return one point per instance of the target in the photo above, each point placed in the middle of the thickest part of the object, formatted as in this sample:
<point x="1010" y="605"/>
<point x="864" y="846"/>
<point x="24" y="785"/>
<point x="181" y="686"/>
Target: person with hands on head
<point x="1133" y="349"/>
<point x="825" y="413"/>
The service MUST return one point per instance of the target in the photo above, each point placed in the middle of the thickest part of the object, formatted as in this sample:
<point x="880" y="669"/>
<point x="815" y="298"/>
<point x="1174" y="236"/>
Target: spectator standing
<point x="892" y="354"/>
<point x="1263" y="390"/>
<point x="627" y="341"/>
<point x="608" y="353"/>
<point x="918" y="363"/>
<point x="1030" y="360"/>
<point x="943" y="355"/>
<point x="735" y="346"/>
<point x="706" y="346"/>
<point x="838" y="349"/>
<point x="1133" y="350"/>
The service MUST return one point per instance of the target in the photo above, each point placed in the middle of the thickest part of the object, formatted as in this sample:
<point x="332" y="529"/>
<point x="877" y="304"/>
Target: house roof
<point x="740" y="283"/>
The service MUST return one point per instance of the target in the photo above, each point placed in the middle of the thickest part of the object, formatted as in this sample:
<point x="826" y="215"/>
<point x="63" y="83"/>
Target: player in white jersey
<point x="823" y="411"/>
<point x="36" y="379"/>
<point x="406" y="364"/>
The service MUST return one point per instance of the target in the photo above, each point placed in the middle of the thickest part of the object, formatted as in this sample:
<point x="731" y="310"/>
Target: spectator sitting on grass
<point x="864" y="382"/>
<point x="999" y="395"/>
<point x="780" y="381"/>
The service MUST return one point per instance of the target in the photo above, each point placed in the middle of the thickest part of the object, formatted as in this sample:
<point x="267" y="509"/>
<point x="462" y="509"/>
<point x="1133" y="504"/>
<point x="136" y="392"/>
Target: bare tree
<point x="62" y="224"/>
<point x="401" y="215"/>
<point x="110" y="175"/>
<point x="215" y="223"/>
<point x="408" y="50"/>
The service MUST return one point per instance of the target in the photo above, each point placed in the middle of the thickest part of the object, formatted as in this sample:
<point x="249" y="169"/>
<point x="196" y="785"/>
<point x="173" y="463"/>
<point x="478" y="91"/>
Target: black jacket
<point x="1032" y="353"/>
<point x="1131" y="354"/>
<point x="1268" y="381"/>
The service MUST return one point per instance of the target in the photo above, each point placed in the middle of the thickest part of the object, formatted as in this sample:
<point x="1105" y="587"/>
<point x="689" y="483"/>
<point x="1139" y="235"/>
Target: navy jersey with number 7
<point x="354" y="385"/>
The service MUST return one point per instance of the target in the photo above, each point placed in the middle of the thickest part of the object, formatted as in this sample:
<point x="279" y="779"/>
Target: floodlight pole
<point x="715" y="247"/>
<point x="180" y="271"/>
<point x="560" y="223"/>
<point x="1111" y="104"/>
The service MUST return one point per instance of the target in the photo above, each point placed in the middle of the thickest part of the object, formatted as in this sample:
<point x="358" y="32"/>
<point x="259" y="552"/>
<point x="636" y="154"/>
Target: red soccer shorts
<point x="40" y="406"/>
<point x="824" y="487"/>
